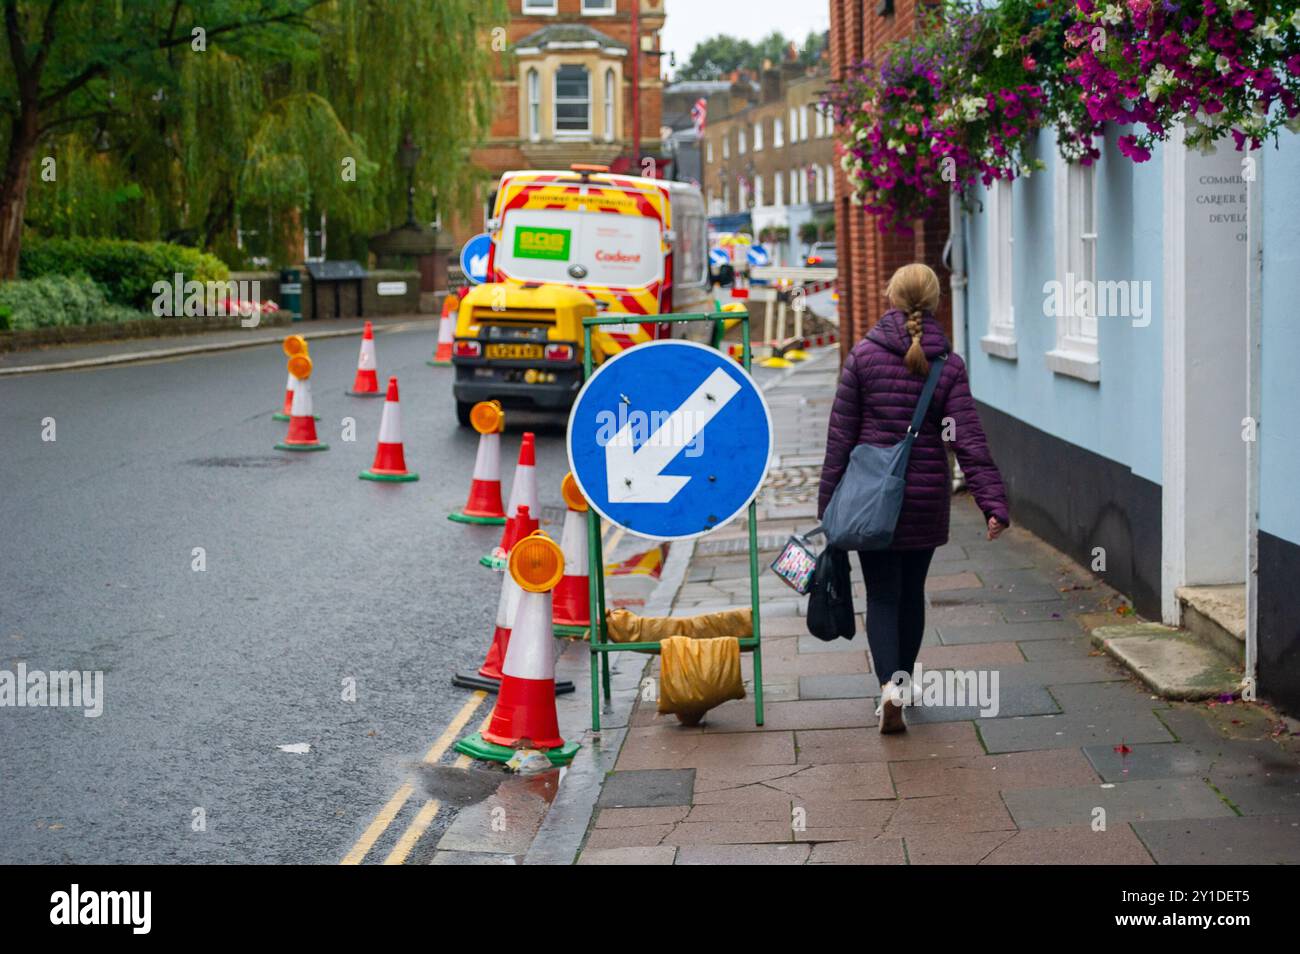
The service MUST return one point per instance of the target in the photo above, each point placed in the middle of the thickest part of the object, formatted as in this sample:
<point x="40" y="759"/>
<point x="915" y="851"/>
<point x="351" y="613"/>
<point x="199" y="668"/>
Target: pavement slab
<point x="991" y="773"/>
<point x="1257" y="840"/>
<point x="1132" y="801"/>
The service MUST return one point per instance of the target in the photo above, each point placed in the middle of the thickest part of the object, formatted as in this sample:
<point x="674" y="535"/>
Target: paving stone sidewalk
<point x="1076" y="741"/>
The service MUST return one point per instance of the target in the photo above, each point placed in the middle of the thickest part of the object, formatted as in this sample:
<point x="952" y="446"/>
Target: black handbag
<point x="830" y="600"/>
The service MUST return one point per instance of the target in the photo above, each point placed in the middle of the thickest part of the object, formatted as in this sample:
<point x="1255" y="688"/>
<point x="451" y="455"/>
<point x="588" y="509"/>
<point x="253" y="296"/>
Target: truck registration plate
<point x="514" y="351"/>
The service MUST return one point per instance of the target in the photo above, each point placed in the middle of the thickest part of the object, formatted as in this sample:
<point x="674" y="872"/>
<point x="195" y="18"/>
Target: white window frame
<point x="533" y="92"/>
<point x="559" y="133"/>
<point x="726" y="145"/>
<point x="803" y="123"/>
<point x="541" y="6"/>
<point x="590" y="11"/>
<point x="741" y="141"/>
<point x="794" y="124"/>
<point x="1075" y="226"/>
<point x="778" y="190"/>
<point x="758" y="135"/>
<point x="778" y="132"/>
<point x="999" y="211"/>
<point x="794" y="186"/>
<point x="758" y="189"/>
<point x="708" y="150"/>
<point x="803" y="186"/>
<point x="726" y="196"/>
<point x="611" y="86"/>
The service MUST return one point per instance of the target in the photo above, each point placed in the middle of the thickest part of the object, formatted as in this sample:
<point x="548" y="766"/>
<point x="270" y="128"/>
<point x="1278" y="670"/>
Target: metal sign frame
<point x="598" y="634"/>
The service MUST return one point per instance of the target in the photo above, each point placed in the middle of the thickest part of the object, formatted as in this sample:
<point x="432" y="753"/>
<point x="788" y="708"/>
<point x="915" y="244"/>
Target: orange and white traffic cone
<point x="572" y="606"/>
<point x="366" y="383"/>
<point x="390" y="458"/>
<point x="488" y="677"/>
<point x="484" y="504"/>
<point x="293" y="344"/>
<point x="446" y="331"/>
<point x="302" y="425"/>
<point x="523" y="493"/>
<point x="525" y="715"/>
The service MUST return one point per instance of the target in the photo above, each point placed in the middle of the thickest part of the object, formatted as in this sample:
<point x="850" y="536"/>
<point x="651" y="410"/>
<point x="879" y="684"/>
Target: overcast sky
<point x="689" y="21"/>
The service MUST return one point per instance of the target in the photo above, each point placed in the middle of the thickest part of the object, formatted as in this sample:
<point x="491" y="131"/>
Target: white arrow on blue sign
<point x="474" y="258"/>
<point x="670" y="439"/>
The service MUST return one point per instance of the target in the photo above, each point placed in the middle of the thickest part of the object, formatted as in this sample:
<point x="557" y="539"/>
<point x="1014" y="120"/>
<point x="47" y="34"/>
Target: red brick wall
<point x="867" y="256"/>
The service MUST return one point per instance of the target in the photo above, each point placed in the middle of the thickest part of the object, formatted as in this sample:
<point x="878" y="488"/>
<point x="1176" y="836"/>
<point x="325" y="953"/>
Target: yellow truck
<point x="567" y="245"/>
<point x="520" y="345"/>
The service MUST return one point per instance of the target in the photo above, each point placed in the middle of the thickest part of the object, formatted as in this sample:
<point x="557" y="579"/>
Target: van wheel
<point x="462" y="413"/>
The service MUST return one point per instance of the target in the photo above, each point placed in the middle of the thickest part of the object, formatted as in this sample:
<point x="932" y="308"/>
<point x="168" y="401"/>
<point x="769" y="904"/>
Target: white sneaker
<point x="890" y="709"/>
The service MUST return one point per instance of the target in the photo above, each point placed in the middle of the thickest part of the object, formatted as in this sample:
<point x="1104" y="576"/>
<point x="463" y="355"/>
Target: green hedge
<point x="54" y="300"/>
<point x="126" y="270"/>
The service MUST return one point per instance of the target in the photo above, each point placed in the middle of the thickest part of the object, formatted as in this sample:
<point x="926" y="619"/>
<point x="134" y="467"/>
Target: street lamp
<point x="408" y="156"/>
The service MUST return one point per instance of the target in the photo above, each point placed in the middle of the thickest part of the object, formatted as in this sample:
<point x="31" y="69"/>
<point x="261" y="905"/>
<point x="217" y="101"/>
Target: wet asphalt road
<point x="313" y="577"/>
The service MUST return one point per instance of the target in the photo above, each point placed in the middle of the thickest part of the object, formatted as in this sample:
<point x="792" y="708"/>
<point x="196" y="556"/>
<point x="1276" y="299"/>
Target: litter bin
<point x="291" y="292"/>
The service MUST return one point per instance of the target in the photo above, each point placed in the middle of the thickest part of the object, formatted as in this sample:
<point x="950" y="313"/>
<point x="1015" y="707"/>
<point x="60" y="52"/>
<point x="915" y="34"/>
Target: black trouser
<point x="895" y="607"/>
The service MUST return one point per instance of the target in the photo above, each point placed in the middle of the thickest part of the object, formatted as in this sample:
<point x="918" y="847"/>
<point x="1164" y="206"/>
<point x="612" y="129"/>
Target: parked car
<point x="822" y="255"/>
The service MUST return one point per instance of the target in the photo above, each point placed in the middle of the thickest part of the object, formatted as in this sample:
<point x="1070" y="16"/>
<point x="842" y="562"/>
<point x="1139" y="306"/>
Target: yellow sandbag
<point x="626" y="627"/>
<point x="697" y="674"/>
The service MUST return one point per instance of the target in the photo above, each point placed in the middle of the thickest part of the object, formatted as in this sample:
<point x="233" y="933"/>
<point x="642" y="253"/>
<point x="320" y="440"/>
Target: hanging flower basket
<point x="1220" y="67"/>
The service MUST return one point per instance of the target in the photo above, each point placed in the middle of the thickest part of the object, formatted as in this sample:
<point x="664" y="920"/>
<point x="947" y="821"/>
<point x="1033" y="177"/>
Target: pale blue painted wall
<point x="1118" y="418"/>
<point x="1280" y="379"/>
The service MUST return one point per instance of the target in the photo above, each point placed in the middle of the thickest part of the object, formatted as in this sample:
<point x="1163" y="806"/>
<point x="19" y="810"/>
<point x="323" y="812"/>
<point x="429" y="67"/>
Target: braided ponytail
<point x="914" y="289"/>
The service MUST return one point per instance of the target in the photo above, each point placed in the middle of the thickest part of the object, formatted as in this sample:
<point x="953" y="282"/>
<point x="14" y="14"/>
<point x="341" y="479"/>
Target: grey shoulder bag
<point x="864" y="509"/>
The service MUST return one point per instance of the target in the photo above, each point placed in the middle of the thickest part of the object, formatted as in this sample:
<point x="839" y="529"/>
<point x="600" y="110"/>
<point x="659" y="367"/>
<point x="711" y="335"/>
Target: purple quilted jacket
<point x="874" y="404"/>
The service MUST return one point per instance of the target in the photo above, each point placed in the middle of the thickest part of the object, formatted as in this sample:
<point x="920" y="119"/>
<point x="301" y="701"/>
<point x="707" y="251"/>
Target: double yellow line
<point x="395" y="804"/>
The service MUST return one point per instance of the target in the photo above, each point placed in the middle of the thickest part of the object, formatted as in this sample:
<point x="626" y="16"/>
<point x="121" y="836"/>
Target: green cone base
<point x="438" y="364"/>
<point x="475" y="746"/>
<point x="462" y="517"/>
<point x="302" y="447"/>
<point x="493" y="562"/>
<point x="281" y="416"/>
<point x="389" y="478"/>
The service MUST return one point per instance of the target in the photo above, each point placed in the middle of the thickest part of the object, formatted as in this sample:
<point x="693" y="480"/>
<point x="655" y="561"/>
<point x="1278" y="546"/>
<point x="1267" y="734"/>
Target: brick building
<point x="564" y="91"/>
<point x="867" y="257"/>
<point x="769" y="164"/>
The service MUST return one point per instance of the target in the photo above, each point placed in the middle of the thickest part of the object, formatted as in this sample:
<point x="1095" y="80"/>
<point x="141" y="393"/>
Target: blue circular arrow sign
<point x="474" y="258"/>
<point x="670" y="439"/>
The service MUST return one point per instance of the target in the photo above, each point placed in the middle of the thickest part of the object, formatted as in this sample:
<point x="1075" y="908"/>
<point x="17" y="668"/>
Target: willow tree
<point x="194" y="109"/>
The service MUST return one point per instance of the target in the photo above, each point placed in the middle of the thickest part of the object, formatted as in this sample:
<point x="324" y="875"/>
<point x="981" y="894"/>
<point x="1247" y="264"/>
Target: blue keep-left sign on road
<point x="670" y="439"/>
<point x="474" y="258"/>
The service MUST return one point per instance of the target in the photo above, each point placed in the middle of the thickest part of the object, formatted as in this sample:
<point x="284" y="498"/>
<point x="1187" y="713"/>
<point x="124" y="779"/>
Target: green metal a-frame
<point x="598" y="634"/>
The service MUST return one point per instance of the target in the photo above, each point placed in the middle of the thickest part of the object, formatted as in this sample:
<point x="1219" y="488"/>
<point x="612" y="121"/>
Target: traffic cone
<point x="488" y="677"/>
<point x="302" y="425"/>
<point x="572" y="606"/>
<point x="366" y="383"/>
<point x="288" y="401"/>
<point x="525" y="716"/>
<point x="484" y="504"/>
<point x="390" y="460"/>
<point x="523" y="493"/>
<point x="446" y="326"/>
<point x="292" y="344"/>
